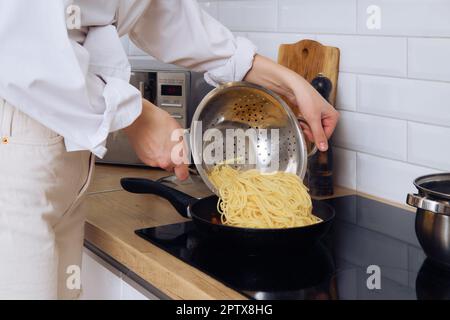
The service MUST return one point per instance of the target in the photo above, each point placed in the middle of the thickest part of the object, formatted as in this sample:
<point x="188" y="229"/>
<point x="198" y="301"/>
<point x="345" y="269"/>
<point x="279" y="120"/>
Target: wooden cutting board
<point x="309" y="58"/>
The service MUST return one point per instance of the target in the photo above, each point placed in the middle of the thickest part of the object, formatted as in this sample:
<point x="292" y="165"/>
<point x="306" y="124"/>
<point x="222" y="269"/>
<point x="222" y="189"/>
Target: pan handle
<point x="179" y="200"/>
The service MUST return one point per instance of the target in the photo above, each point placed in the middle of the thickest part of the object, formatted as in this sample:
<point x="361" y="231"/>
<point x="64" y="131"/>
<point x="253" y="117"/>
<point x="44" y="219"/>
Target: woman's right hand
<point x="151" y="137"/>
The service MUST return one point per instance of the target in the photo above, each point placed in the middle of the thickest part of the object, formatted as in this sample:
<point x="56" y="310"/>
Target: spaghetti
<point x="251" y="199"/>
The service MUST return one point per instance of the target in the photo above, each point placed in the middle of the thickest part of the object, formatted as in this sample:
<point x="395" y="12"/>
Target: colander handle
<point x="314" y="149"/>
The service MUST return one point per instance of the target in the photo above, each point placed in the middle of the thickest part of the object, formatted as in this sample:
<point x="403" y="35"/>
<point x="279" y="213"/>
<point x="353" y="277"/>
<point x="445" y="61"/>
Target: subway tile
<point x="344" y="169"/>
<point x="428" y="58"/>
<point x="408" y="18"/>
<point x="368" y="54"/>
<point x="249" y="15"/>
<point x="318" y="16"/>
<point x="388" y="179"/>
<point x="424" y="101"/>
<point x="346" y="92"/>
<point x="240" y="34"/>
<point x="372" y="134"/>
<point x="394" y="222"/>
<point x="429" y="145"/>
<point x="211" y="7"/>
<point x="135" y="51"/>
<point x="269" y="43"/>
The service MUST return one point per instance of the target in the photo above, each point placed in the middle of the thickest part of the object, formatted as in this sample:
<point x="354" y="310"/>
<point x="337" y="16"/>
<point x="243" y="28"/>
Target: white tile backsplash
<point x="133" y="50"/>
<point x="429" y="145"/>
<point x="321" y="16"/>
<point x="269" y="42"/>
<point x="372" y="55"/>
<point x="429" y="58"/>
<point x="407" y="17"/>
<point x="346" y="92"/>
<point x="385" y="178"/>
<point x="247" y="15"/>
<point x="372" y="134"/>
<point x="423" y="101"/>
<point x="344" y="167"/>
<point x="394" y="83"/>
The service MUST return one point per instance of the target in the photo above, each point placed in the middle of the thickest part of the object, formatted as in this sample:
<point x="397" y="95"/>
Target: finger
<point x="331" y="123"/>
<point x="307" y="131"/>
<point x="309" y="135"/>
<point x="170" y="169"/>
<point x="182" y="172"/>
<point x="318" y="132"/>
<point x="151" y="163"/>
<point x="166" y="164"/>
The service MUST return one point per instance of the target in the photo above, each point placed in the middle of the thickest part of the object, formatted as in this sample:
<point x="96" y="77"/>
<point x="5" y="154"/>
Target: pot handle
<point x="179" y="200"/>
<point x="314" y="149"/>
<point x="424" y="203"/>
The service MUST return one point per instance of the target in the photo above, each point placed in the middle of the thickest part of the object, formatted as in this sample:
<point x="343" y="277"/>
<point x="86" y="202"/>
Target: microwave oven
<point x="178" y="91"/>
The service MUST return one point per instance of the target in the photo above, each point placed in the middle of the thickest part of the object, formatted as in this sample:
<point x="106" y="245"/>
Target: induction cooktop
<point x="371" y="252"/>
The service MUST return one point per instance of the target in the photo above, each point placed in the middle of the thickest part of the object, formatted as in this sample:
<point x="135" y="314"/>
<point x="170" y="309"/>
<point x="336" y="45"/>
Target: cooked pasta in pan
<point x="252" y="199"/>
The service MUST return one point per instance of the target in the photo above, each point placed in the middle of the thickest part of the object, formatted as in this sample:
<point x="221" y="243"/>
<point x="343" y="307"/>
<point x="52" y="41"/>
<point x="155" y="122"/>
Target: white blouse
<point x="76" y="82"/>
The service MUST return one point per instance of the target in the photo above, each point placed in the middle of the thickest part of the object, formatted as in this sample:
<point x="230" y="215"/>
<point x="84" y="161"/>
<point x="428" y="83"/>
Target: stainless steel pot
<point x="433" y="215"/>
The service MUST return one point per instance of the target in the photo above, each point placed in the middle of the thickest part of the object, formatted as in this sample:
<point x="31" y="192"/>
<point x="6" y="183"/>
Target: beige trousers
<point x="41" y="209"/>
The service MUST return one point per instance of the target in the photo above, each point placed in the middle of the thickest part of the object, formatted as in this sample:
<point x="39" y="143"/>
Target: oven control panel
<point x="171" y="94"/>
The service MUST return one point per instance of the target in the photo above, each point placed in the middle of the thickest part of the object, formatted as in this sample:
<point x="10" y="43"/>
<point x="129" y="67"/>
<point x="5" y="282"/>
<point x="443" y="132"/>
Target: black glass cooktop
<point x="371" y="252"/>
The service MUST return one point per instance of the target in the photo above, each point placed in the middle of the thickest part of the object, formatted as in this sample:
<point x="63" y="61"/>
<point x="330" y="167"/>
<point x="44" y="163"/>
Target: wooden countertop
<point x="114" y="215"/>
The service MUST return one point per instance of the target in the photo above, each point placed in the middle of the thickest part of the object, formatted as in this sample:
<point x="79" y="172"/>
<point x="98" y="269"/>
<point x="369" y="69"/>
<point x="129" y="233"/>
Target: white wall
<point x="394" y="89"/>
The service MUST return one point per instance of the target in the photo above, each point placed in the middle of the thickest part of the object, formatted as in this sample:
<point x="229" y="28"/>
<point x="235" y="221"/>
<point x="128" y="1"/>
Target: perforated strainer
<point x="274" y="142"/>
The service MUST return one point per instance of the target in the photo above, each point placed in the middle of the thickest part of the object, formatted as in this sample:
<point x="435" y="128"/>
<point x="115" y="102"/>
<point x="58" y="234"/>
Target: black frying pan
<point x="207" y="220"/>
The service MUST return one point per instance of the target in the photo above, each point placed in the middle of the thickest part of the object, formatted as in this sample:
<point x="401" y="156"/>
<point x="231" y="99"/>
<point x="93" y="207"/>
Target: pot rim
<point x="436" y="177"/>
<point x="424" y="203"/>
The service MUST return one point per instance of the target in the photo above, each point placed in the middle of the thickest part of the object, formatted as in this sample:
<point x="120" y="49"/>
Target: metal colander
<point x="241" y="105"/>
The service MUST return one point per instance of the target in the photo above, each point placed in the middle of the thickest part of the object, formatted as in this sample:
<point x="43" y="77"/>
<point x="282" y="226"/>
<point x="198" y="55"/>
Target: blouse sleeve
<point x="45" y="74"/>
<point x="181" y="33"/>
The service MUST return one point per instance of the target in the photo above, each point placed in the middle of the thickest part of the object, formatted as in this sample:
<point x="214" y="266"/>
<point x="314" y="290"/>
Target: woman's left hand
<point x="321" y="117"/>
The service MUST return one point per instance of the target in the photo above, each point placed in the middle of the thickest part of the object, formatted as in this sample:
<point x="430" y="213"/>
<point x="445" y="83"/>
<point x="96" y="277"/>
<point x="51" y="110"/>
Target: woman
<point x="63" y="89"/>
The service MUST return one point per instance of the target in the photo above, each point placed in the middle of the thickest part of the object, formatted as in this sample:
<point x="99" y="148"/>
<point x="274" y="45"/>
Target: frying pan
<point x="207" y="220"/>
